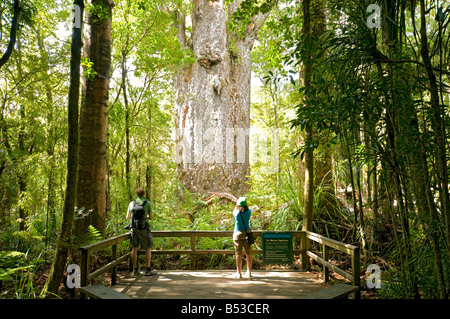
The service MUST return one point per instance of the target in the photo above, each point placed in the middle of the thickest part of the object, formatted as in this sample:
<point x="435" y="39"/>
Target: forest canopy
<point x="330" y="116"/>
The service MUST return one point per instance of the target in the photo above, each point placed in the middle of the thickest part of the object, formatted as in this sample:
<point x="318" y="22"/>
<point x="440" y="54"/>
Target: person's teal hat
<point x="242" y="201"/>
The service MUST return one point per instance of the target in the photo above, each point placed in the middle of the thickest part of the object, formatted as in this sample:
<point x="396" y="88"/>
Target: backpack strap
<point x="134" y="205"/>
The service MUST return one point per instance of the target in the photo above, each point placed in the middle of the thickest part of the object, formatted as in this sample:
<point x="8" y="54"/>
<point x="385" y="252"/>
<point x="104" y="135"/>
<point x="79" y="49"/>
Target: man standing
<point x="138" y="212"/>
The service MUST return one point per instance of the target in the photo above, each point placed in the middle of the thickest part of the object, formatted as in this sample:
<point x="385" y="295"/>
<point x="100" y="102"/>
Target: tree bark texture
<point x="213" y="102"/>
<point x="65" y="235"/>
<point x="309" y="151"/>
<point x="91" y="192"/>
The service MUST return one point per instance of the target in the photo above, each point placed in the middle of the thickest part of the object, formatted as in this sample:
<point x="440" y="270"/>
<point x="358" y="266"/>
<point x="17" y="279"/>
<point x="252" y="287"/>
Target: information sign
<point x="277" y="248"/>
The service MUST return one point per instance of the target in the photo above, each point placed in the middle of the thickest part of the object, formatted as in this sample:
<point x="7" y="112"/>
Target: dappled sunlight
<point x="219" y="284"/>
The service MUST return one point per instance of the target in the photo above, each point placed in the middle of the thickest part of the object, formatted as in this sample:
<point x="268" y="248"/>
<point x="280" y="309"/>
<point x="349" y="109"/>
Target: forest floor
<point x="9" y="291"/>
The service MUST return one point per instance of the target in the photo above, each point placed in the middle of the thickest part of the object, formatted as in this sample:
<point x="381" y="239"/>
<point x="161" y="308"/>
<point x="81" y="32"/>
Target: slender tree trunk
<point x="309" y="150"/>
<point x="21" y="177"/>
<point x="425" y="201"/>
<point x="91" y="191"/>
<point x="51" y="138"/>
<point x="375" y="188"/>
<point x="22" y="151"/>
<point x="352" y="185"/>
<point x="440" y="151"/>
<point x="65" y="236"/>
<point x="127" y="124"/>
<point x="314" y="22"/>
<point x="396" y="114"/>
<point x="148" y="170"/>
<point x="357" y="138"/>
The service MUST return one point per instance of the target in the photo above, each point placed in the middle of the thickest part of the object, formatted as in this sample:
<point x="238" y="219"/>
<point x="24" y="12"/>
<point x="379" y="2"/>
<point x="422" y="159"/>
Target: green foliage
<point x="27" y="15"/>
<point x="89" y="71"/>
<point x="372" y="114"/>
<point x="9" y="259"/>
<point x="397" y="277"/>
<point x="100" y="11"/>
<point x="356" y="89"/>
<point x="247" y="10"/>
<point x="19" y="269"/>
<point x="90" y="236"/>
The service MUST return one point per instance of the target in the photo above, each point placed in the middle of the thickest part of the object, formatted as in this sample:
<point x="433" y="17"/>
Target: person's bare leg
<point x="148" y="257"/>
<point x="249" y="265"/>
<point x="238" y="266"/>
<point x="134" y="255"/>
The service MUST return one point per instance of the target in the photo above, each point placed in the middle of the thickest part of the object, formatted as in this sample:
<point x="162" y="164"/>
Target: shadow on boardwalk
<point x="219" y="284"/>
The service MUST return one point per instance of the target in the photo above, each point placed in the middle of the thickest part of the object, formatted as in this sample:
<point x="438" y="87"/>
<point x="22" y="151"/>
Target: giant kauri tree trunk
<point x="213" y="101"/>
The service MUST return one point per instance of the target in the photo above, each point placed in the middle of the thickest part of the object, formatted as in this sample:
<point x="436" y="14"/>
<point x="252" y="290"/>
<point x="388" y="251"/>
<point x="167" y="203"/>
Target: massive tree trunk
<point x="91" y="192"/>
<point x="213" y="102"/>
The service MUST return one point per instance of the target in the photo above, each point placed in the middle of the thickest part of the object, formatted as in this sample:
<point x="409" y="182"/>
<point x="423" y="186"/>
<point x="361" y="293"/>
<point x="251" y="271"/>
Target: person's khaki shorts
<point x="240" y="244"/>
<point x="141" y="237"/>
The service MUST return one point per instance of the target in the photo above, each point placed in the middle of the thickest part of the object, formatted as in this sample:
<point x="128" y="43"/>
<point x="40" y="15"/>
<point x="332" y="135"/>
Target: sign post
<point x="277" y="248"/>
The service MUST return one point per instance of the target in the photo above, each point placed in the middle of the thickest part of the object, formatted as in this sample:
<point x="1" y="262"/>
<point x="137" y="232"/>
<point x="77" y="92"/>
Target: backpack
<point x="138" y="216"/>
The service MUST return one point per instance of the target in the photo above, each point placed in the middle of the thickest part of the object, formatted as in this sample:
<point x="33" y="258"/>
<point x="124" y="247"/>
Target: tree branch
<point x="13" y="34"/>
<point x="412" y="61"/>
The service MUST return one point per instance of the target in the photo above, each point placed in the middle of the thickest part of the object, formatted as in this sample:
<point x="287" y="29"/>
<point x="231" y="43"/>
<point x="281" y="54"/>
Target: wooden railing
<point x="327" y="243"/>
<point x="302" y="238"/>
<point x="87" y="251"/>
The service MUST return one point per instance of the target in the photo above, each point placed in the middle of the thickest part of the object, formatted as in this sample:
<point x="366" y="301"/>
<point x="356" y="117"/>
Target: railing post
<point x="114" y="270"/>
<point x="84" y="269"/>
<point x="356" y="272"/>
<point x="193" y="256"/>
<point x="305" y="246"/>
<point x="326" y="271"/>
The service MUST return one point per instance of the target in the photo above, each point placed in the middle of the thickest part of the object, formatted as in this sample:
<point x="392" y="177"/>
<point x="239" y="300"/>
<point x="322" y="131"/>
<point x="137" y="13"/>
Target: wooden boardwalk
<point x="219" y="284"/>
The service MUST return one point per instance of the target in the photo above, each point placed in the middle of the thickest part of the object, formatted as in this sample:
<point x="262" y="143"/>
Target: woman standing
<point x="242" y="215"/>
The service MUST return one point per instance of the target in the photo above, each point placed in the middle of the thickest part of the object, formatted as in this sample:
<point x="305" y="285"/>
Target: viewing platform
<point x="221" y="284"/>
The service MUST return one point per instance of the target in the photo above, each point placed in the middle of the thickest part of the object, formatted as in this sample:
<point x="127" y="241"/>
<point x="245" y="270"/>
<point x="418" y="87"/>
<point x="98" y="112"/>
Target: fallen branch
<point x="209" y="200"/>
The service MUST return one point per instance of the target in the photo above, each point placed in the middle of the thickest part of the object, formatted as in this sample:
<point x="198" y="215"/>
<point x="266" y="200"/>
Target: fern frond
<point x="91" y="236"/>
